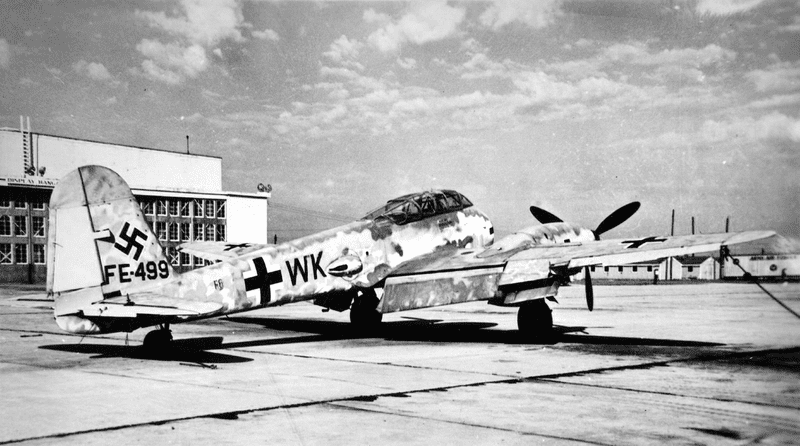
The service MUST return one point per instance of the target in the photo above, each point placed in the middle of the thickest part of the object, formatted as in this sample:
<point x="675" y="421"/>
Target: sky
<point x="576" y="106"/>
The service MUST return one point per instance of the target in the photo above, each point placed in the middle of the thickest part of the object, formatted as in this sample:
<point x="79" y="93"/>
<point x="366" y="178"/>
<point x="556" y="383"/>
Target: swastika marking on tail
<point x="131" y="240"/>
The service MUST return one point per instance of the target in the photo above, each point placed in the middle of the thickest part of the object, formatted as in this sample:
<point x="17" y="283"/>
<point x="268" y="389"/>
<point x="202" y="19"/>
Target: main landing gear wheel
<point x="364" y="312"/>
<point x="535" y="320"/>
<point x="158" y="339"/>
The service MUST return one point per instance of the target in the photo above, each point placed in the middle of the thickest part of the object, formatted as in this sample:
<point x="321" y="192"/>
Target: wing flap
<point x="443" y="288"/>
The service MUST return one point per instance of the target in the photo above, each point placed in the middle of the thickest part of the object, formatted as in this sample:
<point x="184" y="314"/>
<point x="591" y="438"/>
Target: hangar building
<point x="181" y="196"/>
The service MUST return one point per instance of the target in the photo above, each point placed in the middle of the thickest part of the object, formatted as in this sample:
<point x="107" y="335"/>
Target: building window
<point x="173" y="231"/>
<point x="161" y="230"/>
<point x="21" y="204"/>
<point x="5" y="253"/>
<point x="173" y="208"/>
<point x="198" y="208"/>
<point x="691" y="268"/>
<point x="220" y="233"/>
<point x="199" y="231"/>
<point x="5" y="225"/>
<point x="635" y="268"/>
<point x="172" y="254"/>
<point x="21" y="253"/>
<point x="592" y="269"/>
<point x="37" y="226"/>
<point x="20" y="225"/>
<point x="38" y="205"/>
<point x="5" y="203"/>
<point x="210" y="208"/>
<point x="220" y="209"/>
<point x="38" y="254"/>
<point x="186" y="259"/>
<point x="649" y="269"/>
<point x="186" y="232"/>
<point x="147" y="207"/>
<point x="605" y="268"/>
<point x="161" y="207"/>
<point x="197" y="261"/>
<point x="619" y="269"/>
<point x="210" y="232"/>
<point x="185" y="208"/>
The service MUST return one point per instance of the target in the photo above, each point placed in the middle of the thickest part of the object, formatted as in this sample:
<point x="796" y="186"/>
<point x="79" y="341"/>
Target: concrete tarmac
<point x="711" y="363"/>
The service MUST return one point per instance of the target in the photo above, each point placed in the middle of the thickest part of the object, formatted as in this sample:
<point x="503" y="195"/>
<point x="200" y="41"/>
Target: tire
<point x="364" y="313"/>
<point x="535" y="319"/>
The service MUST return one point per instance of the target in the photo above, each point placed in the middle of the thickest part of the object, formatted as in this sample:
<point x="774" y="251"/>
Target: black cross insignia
<point x="262" y="280"/>
<point x="637" y="243"/>
<point x="131" y="239"/>
<point x="231" y="246"/>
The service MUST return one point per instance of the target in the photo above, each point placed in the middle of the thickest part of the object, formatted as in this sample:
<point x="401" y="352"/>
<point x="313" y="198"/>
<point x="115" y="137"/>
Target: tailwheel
<point x="535" y="319"/>
<point x="364" y="312"/>
<point x="158" y="339"/>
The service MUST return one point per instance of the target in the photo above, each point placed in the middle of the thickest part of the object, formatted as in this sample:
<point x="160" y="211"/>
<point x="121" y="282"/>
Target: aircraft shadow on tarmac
<point x="436" y="331"/>
<point x="193" y="351"/>
<point x="196" y="351"/>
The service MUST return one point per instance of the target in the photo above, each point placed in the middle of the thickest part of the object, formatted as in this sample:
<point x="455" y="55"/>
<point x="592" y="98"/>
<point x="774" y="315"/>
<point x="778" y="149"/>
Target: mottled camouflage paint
<point x="101" y="237"/>
<point x="379" y="246"/>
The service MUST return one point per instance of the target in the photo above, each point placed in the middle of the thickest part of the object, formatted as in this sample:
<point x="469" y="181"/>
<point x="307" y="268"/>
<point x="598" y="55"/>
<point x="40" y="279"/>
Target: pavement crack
<point x="464" y="423"/>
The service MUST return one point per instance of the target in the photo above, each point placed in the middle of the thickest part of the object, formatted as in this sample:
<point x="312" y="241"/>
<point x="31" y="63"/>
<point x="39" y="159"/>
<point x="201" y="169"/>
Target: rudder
<point x="98" y="236"/>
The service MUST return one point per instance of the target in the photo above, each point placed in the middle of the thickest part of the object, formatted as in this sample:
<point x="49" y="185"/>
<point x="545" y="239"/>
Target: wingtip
<point x="748" y="236"/>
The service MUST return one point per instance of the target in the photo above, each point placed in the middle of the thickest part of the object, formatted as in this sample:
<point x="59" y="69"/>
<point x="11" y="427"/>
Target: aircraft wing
<point x="632" y="250"/>
<point x="462" y="275"/>
<point x="219" y="250"/>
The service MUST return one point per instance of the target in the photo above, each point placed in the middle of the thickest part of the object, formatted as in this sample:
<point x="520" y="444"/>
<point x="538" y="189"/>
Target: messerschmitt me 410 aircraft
<point x="108" y="272"/>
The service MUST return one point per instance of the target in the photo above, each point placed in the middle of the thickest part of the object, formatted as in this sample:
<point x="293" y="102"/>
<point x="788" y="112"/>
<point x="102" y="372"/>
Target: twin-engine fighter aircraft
<point x="108" y="272"/>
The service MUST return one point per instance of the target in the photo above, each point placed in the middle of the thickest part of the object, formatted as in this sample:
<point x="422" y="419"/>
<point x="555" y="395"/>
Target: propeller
<point x="587" y="282"/>
<point x="543" y="216"/>
<point x="615" y="219"/>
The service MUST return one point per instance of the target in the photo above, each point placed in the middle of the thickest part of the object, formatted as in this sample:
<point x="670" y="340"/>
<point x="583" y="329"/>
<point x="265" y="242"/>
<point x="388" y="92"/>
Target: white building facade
<point x="180" y="194"/>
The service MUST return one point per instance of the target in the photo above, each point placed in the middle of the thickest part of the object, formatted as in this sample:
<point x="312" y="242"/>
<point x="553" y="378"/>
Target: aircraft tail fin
<point x="98" y="236"/>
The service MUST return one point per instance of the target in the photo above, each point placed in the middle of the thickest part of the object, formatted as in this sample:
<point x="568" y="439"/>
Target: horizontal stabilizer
<point x="146" y="304"/>
<point x="220" y="250"/>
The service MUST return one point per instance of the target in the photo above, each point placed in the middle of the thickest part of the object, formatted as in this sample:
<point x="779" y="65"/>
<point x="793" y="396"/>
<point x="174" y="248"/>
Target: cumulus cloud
<point x="204" y="22"/>
<point x="343" y="49"/>
<point x="774" y="126"/>
<point x="92" y="70"/>
<point x="781" y="76"/>
<point x="423" y="22"/>
<point x="535" y="14"/>
<point x="726" y="7"/>
<point x="638" y="53"/>
<point x="406" y="63"/>
<point x="201" y="26"/>
<point x="170" y="62"/>
<point x="267" y="34"/>
<point x="5" y="54"/>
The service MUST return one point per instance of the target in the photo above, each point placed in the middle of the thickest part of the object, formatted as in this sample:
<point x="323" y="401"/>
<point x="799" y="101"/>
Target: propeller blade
<point x="617" y="218"/>
<point x="587" y="280"/>
<point x="543" y="216"/>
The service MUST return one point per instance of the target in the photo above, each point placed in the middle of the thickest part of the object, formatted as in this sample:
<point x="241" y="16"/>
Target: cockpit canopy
<point x="413" y="207"/>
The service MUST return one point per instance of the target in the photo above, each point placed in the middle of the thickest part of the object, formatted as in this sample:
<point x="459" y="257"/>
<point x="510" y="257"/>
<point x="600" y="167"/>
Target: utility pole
<point x="672" y="231"/>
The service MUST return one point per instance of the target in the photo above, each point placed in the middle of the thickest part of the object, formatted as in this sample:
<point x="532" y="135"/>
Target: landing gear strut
<point x="364" y="312"/>
<point x="159" y="338"/>
<point x="535" y="319"/>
